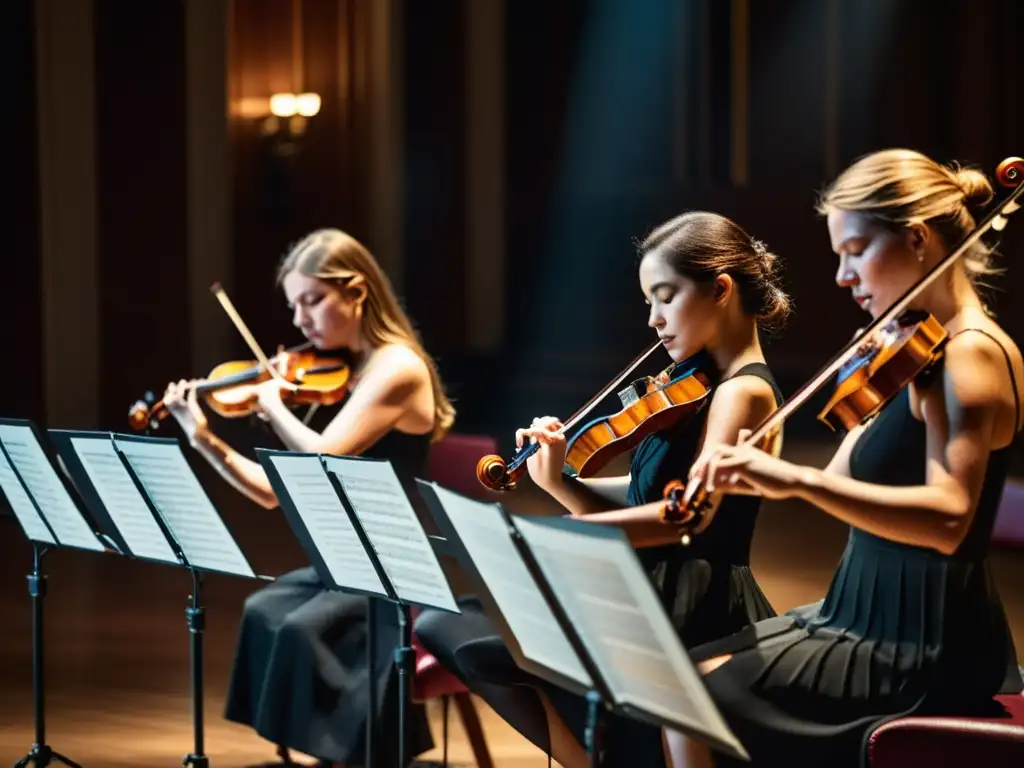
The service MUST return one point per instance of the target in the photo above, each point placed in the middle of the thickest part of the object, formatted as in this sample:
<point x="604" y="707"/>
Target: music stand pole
<point x="404" y="662"/>
<point x="594" y="734"/>
<point x="41" y="754"/>
<point x="195" y="615"/>
<point x="371" y="681"/>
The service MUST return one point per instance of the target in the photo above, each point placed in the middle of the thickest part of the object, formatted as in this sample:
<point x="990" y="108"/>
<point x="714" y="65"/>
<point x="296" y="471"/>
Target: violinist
<point x="912" y="622"/>
<point x="298" y="677"/>
<point x="710" y="286"/>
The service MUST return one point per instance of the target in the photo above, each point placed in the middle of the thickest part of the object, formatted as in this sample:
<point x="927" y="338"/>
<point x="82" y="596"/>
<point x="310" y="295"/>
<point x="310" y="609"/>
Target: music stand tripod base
<point x="41" y="754"/>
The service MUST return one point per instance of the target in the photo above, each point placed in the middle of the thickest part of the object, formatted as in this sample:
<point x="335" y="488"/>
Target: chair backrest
<point x="453" y="462"/>
<point x="1009" y="526"/>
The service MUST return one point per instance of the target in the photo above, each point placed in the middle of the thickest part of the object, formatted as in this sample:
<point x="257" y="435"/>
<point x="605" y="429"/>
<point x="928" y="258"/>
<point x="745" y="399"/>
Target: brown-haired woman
<point x="710" y="286"/>
<point x="299" y="677"/>
<point x="912" y="622"/>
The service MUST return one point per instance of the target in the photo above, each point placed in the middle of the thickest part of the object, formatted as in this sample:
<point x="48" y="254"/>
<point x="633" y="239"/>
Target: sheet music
<point x="393" y="528"/>
<point x="175" y="491"/>
<point x="122" y="499"/>
<point x="484" y="533"/>
<point x="598" y="580"/>
<point x="328" y="523"/>
<point x="28" y="457"/>
<point x="21" y="504"/>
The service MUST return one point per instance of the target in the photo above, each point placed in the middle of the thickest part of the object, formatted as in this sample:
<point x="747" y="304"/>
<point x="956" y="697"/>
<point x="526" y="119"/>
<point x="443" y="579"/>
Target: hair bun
<point x="766" y="257"/>
<point x="976" y="187"/>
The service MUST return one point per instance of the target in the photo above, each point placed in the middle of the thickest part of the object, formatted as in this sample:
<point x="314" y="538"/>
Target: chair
<point x="1008" y="530"/>
<point x="453" y="465"/>
<point x="938" y="742"/>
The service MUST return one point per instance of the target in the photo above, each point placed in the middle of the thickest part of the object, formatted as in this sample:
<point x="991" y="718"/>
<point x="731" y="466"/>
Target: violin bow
<point x="593" y="402"/>
<point x="240" y="325"/>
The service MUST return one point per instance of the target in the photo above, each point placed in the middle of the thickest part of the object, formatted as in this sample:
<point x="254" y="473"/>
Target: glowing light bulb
<point x="308" y="104"/>
<point x="284" y="104"/>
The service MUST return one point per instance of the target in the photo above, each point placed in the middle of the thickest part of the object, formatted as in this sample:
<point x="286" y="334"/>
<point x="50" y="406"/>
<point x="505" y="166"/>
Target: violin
<point x="893" y="351"/>
<point x="667" y="399"/>
<point x="230" y="388"/>
<point x="306" y="378"/>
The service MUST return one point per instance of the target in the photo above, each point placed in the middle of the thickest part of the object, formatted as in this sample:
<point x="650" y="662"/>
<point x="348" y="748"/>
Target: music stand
<point x="31" y="484"/>
<point x="337" y="554"/>
<point x="386" y="526"/>
<point x="600" y="605"/>
<point x="125" y="476"/>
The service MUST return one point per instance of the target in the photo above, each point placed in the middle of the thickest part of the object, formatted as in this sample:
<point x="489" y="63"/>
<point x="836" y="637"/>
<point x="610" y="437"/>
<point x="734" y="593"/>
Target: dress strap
<point x="1009" y="366"/>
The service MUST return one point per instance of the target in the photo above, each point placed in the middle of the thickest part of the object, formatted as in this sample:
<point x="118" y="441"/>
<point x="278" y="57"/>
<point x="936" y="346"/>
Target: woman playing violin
<point x="912" y="622"/>
<point x="298" y="678"/>
<point x="709" y="286"/>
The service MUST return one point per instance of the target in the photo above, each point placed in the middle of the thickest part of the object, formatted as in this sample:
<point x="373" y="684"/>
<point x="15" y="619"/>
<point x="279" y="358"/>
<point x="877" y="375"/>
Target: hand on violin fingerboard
<point x="545" y="466"/>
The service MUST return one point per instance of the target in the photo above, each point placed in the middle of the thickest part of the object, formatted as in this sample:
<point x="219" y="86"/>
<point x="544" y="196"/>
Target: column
<point x="67" y="186"/>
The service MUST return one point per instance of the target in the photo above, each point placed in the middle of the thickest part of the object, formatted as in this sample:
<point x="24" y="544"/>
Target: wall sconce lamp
<point x="287" y="120"/>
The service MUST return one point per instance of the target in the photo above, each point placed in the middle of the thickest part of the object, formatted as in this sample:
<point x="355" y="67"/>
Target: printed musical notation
<point x="394" y="530"/>
<point x="21" y="504"/>
<point x="483" y="531"/>
<point x="176" y="493"/>
<point x="607" y="595"/>
<point x="326" y="521"/>
<point x="121" y="499"/>
<point x="45" y="487"/>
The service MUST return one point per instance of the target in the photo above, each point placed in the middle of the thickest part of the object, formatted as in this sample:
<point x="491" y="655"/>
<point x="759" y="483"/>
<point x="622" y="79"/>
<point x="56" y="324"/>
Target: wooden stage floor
<point x="117" y="664"/>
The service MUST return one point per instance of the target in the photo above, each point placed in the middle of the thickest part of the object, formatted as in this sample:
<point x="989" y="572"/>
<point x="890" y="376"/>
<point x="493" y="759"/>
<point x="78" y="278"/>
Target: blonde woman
<point x="299" y="677"/>
<point x="912" y="622"/>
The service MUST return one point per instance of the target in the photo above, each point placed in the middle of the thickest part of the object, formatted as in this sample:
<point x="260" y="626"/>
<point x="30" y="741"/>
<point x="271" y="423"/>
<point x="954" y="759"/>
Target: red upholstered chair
<point x="1008" y="530"/>
<point x="941" y="742"/>
<point x="453" y="465"/>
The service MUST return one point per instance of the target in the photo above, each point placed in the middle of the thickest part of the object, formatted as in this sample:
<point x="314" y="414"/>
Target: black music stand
<point x="534" y="575"/>
<point x="383" y="522"/>
<point x="145" y="490"/>
<point x="30" y="483"/>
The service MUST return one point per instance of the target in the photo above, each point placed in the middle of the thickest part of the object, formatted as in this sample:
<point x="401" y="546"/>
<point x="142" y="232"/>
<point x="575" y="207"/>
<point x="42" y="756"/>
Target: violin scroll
<point x="492" y="472"/>
<point x="1010" y="172"/>
<point x="145" y="413"/>
<point x="687" y="510"/>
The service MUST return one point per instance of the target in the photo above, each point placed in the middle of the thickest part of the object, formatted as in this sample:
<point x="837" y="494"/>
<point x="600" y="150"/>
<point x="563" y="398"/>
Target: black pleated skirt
<point x="901" y="631"/>
<point x="300" y="674"/>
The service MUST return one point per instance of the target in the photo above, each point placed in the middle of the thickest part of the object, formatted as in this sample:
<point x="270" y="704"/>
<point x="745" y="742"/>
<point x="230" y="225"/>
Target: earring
<point x="920" y="257"/>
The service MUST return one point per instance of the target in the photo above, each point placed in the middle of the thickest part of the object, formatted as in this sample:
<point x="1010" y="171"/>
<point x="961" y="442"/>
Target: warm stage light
<point x="283" y="104"/>
<point x="308" y="104"/>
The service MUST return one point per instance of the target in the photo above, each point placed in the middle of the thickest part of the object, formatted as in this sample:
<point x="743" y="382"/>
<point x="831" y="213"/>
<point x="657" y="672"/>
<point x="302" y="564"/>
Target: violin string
<point x="592" y="403"/>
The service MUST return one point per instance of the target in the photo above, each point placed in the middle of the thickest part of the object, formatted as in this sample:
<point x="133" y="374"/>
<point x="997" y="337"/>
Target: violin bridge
<point x="633" y="392"/>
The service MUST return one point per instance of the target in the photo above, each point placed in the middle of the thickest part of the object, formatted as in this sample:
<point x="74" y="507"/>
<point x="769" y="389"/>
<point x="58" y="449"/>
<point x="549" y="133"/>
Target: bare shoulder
<point x="747" y="387"/>
<point x="976" y="376"/>
<point x="745" y="397"/>
<point x="976" y="363"/>
<point x="399" y="363"/>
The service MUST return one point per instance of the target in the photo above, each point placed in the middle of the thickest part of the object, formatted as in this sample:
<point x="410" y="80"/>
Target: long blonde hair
<point x="899" y="187"/>
<point x="338" y="258"/>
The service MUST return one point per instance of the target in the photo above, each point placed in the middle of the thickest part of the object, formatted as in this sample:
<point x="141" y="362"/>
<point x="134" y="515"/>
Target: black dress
<point x="707" y="589"/>
<point x="299" y="677"/>
<point x="902" y="630"/>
